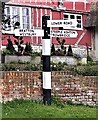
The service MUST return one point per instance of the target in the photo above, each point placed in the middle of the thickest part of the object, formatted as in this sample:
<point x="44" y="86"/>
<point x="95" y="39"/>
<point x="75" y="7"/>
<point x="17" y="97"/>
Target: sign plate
<point x="62" y="23"/>
<point x="39" y="32"/>
<point x="64" y="33"/>
<point x="29" y="32"/>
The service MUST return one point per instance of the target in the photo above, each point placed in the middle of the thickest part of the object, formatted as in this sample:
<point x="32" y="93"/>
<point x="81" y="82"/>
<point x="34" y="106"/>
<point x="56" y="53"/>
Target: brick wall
<point x="77" y="89"/>
<point x="28" y="85"/>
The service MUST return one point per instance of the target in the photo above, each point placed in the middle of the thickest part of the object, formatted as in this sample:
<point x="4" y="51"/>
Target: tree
<point x="58" y="40"/>
<point x="28" y="49"/>
<point x="19" y="41"/>
<point x="10" y="46"/>
<point x="52" y="49"/>
<point x="62" y="50"/>
<point x="69" y="53"/>
<point x="62" y="44"/>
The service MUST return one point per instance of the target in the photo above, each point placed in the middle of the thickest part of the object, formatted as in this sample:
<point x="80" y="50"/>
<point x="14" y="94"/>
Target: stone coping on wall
<point x="69" y="60"/>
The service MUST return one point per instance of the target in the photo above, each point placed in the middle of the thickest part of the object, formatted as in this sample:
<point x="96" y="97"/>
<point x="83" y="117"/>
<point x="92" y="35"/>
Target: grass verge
<point x="35" y="109"/>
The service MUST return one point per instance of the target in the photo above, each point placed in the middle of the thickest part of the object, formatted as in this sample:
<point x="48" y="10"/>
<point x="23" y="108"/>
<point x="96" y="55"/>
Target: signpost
<point x="29" y="32"/>
<point x="68" y="24"/>
<point x="64" y="33"/>
<point x="39" y="32"/>
<point x="45" y="33"/>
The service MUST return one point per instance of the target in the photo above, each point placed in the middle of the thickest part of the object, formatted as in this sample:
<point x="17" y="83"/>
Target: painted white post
<point x="46" y="48"/>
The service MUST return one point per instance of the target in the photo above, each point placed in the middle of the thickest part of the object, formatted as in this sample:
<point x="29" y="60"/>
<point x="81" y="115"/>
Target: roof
<point x="92" y="18"/>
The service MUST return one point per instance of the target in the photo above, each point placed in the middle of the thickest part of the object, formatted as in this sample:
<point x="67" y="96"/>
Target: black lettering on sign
<point x="21" y="34"/>
<point x="67" y="23"/>
<point x="32" y="31"/>
<point x="20" y="30"/>
<point x="67" y="35"/>
<point x="56" y="23"/>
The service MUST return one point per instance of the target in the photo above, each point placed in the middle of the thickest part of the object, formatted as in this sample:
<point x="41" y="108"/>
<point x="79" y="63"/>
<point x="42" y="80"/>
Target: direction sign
<point x="39" y="32"/>
<point x="64" y="33"/>
<point x="62" y="23"/>
<point x="29" y="32"/>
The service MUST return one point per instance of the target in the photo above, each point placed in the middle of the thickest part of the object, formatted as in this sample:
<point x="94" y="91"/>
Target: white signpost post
<point x="46" y="43"/>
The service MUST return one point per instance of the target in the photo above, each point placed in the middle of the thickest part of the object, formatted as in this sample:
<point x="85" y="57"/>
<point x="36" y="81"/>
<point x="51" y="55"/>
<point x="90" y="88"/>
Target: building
<point x="92" y="23"/>
<point x="29" y="13"/>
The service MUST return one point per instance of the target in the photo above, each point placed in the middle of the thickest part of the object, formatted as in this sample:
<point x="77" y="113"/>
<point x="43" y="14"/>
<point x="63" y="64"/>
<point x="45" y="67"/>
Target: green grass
<point x="34" y="109"/>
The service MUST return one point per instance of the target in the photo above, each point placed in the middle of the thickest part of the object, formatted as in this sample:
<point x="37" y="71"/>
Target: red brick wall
<point x="29" y="85"/>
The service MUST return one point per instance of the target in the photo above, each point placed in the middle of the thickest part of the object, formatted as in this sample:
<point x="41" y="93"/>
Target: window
<point x="18" y="14"/>
<point x="72" y="17"/>
<point x="77" y="18"/>
<point x="60" y="3"/>
<point x="65" y="17"/>
<point x="25" y="18"/>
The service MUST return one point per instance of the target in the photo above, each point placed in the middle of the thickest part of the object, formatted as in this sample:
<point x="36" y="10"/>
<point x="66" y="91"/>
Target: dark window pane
<point x="78" y="17"/>
<point x="65" y="16"/>
<point x="72" y="17"/>
<point x="78" y="25"/>
<point x="79" y="21"/>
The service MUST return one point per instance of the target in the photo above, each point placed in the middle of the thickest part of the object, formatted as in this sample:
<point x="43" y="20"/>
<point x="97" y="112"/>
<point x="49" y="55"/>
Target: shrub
<point x="60" y="66"/>
<point x="87" y="70"/>
<point x="8" y="67"/>
<point x="70" y="52"/>
<point x="61" y="51"/>
<point x="89" y="58"/>
<point x="19" y="41"/>
<point x="57" y="101"/>
<point x="6" y="52"/>
<point x="9" y="48"/>
<point x="28" y="49"/>
<point x="20" y="66"/>
<point x="52" y="49"/>
<point x="57" y="66"/>
<point x="36" y="54"/>
<point x="77" y="56"/>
